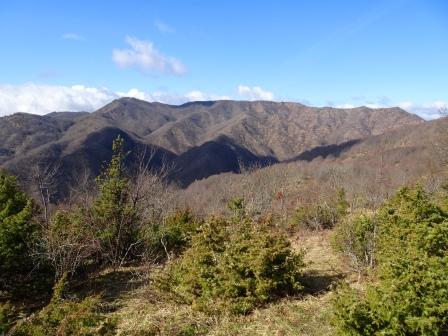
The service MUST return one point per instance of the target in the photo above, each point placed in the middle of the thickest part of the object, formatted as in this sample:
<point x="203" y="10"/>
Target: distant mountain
<point x="407" y="147"/>
<point x="369" y="170"/>
<point x="199" y="139"/>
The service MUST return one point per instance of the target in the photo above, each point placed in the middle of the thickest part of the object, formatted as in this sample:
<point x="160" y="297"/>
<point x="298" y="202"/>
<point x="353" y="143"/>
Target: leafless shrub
<point x="152" y="198"/>
<point x="67" y="241"/>
<point x="44" y="181"/>
<point x="356" y="238"/>
<point x="82" y="191"/>
<point x="151" y="194"/>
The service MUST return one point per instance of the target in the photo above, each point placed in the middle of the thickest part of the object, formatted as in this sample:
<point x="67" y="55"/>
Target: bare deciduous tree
<point x="44" y="177"/>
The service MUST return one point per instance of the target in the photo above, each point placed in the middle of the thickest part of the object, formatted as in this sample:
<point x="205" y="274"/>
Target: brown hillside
<point x="199" y="139"/>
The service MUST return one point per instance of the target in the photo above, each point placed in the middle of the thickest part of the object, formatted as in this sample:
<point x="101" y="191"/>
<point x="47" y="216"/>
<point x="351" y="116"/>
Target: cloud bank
<point x="144" y="57"/>
<point x="427" y="110"/>
<point x="43" y="99"/>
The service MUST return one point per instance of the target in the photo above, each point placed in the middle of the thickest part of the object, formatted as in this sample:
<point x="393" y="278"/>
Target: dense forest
<point x="284" y="250"/>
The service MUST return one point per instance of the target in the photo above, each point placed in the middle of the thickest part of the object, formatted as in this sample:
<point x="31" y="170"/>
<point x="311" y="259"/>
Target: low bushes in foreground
<point x="63" y="316"/>
<point x="17" y="233"/>
<point x="321" y="215"/>
<point x="234" y="265"/>
<point x="355" y="238"/>
<point x="172" y="235"/>
<point x="409" y="294"/>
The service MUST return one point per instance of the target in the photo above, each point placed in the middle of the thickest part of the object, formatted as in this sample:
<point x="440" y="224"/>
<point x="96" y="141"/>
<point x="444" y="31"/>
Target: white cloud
<point x="72" y="36"/>
<point x="427" y="110"/>
<point x="254" y="93"/>
<point x="344" y="106"/>
<point x="43" y="99"/>
<point x="406" y="105"/>
<point x="157" y="96"/>
<point x="197" y="95"/>
<point x="135" y="93"/>
<point x="163" y="27"/>
<point x="350" y="105"/>
<point x="144" y="57"/>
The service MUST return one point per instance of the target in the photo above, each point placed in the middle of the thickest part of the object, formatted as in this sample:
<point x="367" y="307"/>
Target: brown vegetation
<point x="198" y="139"/>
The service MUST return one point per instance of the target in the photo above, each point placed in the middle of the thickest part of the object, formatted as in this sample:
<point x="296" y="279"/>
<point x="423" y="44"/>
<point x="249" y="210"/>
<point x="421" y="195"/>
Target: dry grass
<point x="308" y="316"/>
<point x="144" y="311"/>
<point x="320" y="256"/>
<point x="140" y="315"/>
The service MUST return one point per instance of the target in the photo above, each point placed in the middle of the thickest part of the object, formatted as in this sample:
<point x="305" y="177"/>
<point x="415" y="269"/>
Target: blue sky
<point x="77" y="55"/>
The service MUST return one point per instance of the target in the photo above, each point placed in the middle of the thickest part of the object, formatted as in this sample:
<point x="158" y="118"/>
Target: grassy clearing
<point x="145" y="311"/>
<point x="145" y="315"/>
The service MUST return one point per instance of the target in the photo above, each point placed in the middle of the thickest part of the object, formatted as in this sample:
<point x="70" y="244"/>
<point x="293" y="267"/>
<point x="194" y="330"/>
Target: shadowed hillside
<point x="368" y="169"/>
<point x="196" y="139"/>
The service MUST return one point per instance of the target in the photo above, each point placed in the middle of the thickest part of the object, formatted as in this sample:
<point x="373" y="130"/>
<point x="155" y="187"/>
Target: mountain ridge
<point x="190" y="136"/>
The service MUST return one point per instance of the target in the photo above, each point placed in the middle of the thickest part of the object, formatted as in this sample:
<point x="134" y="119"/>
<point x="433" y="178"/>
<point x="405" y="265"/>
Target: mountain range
<point x="199" y="139"/>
